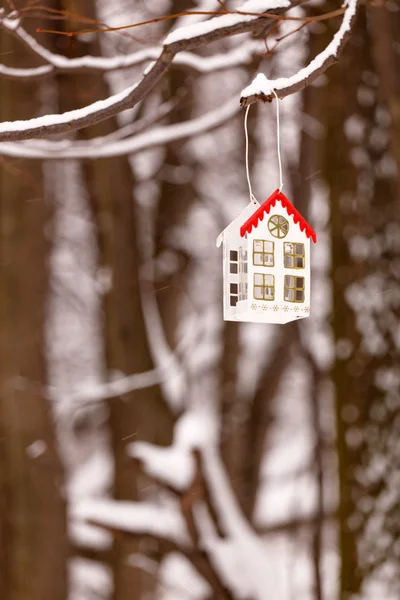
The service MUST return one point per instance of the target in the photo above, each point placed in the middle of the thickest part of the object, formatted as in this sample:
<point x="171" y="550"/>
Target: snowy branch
<point x="56" y="63"/>
<point x="261" y="87"/>
<point x="179" y="42"/>
<point x="105" y="148"/>
<point x="183" y="39"/>
<point x="133" y="517"/>
<point x="213" y="517"/>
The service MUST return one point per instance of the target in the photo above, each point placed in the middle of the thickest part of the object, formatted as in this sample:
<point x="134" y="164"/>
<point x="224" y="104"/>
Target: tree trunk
<point x="361" y="209"/>
<point x="33" y="539"/>
<point x="142" y="414"/>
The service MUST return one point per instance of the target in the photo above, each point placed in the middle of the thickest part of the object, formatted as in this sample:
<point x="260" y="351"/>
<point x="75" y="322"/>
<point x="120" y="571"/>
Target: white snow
<point x="239" y="55"/>
<point x="19" y="73"/>
<point x="240" y="557"/>
<point x="180" y="581"/>
<point x="36" y="449"/>
<point x="262" y="85"/>
<point x="67" y="117"/>
<point x="58" y="61"/>
<point x="89" y="536"/>
<point x="228" y="20"/>
<point x="93" y="391"/>
<point x="89" y="580"/>
<point x="84" y="62"/>
<point x="174" y="465"/>
<point x="92" y="477"/>
<point x="134" y="517"/>
<point x="10" y="23"/>
<point x="203" y="64"/>
<point x="98" y="149"/>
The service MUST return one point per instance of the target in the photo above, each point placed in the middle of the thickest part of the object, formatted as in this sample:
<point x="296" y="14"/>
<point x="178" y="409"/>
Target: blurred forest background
<point x="147" y="448"/>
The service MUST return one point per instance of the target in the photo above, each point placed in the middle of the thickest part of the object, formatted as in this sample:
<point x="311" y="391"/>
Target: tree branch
<point x="106" y="148"/>
<point x="182" y="40"/>
<point x="261" y="87"/>
<point x="224" y="26"/>
<point x="56" y="63"/>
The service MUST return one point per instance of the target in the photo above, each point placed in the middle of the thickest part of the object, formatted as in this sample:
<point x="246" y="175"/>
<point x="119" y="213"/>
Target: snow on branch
<point x="181" y="40"/>
<point x="83" y="117"/>
<point x="89" y="394"/>
<point x="190" y="38"/>
<point x="193" y="32"/>
<point x="174" y="465"/>
<point x="193" y="467"/>
<point x="141" y="518"/>
<point x="105" y="148"/>
<point x="261" y="87"/>
<point x="56" y="63"/>
<point x="19" y="74"/>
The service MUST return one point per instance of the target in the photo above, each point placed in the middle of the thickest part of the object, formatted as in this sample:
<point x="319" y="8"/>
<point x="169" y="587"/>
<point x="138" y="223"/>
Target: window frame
<point x="295" y="288"/>
<point x="294" y="255"/>
<point x="233" y="296"/>
<point x="233" y="262"/>
<point x="264" y="287"/>
<point x="264" y="253"/>
<point x="272" y="226"/>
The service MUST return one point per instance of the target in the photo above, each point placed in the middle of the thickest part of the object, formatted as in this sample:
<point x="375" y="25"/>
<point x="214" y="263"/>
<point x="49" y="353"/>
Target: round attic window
<point x="278" y="226"/>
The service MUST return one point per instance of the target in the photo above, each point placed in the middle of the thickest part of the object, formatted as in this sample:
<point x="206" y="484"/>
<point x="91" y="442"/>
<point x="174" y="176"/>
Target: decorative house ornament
<point x="266" y="263"/>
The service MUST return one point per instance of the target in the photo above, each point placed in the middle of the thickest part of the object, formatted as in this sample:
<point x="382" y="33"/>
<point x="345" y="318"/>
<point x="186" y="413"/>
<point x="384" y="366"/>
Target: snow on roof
<point x="290" y="209"/>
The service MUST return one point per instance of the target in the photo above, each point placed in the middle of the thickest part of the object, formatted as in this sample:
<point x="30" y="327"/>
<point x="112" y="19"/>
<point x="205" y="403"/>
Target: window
<point x="294" y="256"/>
<point x="233" y="262"/>
<point x="294" y="289"/>
<point x="234" y="294"/>
<point x="238" y="266"/>
<point x="264" y="287"/>
<point x="278" y="226"/>
<point x="263" y="253"/>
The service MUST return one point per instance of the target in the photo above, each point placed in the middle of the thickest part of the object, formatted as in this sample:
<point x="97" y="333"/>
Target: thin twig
<point x="188" y="13"/>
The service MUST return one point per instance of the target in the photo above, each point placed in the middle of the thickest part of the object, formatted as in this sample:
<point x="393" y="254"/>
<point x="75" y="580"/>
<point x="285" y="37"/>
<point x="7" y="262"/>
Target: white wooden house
<point x="267" y="263"/>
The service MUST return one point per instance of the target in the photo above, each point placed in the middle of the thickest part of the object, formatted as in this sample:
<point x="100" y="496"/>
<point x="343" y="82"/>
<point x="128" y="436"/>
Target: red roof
<point x="290" y="209"/>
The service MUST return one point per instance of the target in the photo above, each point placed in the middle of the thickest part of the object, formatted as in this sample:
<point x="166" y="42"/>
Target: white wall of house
<point x="232" y="241"/>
